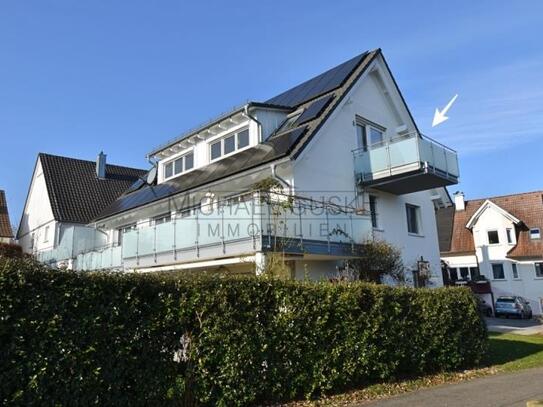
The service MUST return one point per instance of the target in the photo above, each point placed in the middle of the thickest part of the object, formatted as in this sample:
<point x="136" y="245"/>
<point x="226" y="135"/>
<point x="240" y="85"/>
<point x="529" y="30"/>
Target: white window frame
<point x="540" y="268"/>
<point x="492" y="270"/>
<point x="514" y="270"/>
<point x="172" y="162"/>
<point x="46" y="234"/>
<point x="162" y="218"/>
<point x="510" y="235"/>
<point x="488" y="237"/>
<point x="368" y="126"/>
<point x="418" y="214"/>
<point x="537" y="232"/>
<point x="236" y="143"/>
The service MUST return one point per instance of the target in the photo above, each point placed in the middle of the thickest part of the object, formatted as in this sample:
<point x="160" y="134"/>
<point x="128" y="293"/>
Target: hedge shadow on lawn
<point x="502" y="351"/>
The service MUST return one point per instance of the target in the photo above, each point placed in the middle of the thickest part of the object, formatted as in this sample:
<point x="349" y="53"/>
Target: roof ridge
<point x="505" y="196"/>
<point x="89" y="161"/>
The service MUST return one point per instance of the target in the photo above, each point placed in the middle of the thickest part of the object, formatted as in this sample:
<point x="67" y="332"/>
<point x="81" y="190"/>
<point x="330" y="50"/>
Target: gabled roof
<point x="332" y="85"/>
<point x="486" y="205"/>
<point x="455" y="238"/>
<point x="76" y="194"/>
<point x="5" y="225"/>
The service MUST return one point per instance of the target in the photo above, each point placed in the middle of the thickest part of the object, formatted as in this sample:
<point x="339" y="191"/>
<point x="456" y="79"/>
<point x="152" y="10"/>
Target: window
<point x="46" y="234"/>
<point x="515" y="270"/>
<point x="539" y="270"/>
<point x="453" y="273"/>
<point x="229" y="144"/>
<point x="497" y="271"/>
<point x="164" y="218"/>
<point x="464" y="273"/>
<point x="361" y="139"/>
<point x="535" y="233"/>
<point x="376" y="136"/>
<point x="179" y="165"/>
<point x="122" y="230"/>
<point x="474" y="272"/>
<point x="168" y="170"/>
<point x="509" y="233"/>
<point x="373" y="211"/>
<point x="413" y="218"/>
<point x="216" y="150"/>
<point x="243" y="139"/>
<point x="368" y="135"/>
<point x="31" y="244"/>
<point x="493" y="237"/>
<point x="185" y="213"/>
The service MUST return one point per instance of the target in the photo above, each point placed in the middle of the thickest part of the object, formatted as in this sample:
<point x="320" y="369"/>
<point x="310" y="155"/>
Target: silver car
<point x="514" y="305"/>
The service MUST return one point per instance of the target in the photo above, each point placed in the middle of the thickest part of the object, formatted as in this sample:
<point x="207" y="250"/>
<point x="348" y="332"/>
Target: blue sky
<point x="125" y="76"/>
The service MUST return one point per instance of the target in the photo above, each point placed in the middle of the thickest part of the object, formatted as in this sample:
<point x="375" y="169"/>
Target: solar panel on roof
<point x="319" y="85"/>
<point x="314" y="110"/>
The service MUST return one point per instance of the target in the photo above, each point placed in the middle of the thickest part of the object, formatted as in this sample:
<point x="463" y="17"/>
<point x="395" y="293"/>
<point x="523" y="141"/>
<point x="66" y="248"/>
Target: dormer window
<point x="179" y="165"/>
<point x="229" y="144"/>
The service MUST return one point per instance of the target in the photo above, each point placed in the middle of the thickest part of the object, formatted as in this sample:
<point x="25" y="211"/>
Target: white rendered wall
<point x="527" y="285"/>
<point x="37" y="215"/>
<point x="326" y="168"/>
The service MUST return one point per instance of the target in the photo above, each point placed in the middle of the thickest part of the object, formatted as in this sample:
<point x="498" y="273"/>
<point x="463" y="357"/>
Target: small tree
<point x="379" y="259"/>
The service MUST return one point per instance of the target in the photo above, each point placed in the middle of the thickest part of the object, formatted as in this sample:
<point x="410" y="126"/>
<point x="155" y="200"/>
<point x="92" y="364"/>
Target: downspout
<point x="278" y="178"/>
<point x="251" y="117"/>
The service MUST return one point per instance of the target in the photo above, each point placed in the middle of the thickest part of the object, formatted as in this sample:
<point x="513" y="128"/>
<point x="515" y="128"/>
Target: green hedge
<point x="79" y="339"/>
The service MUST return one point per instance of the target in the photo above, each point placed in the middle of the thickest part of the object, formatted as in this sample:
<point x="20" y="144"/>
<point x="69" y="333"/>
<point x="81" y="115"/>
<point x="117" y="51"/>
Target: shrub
<point x="11" y="250"/>
<point x="76" y="339"/>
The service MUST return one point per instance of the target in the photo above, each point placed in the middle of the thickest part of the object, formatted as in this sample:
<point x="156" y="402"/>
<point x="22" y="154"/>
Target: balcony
<point x="406" y="164"/>
<point x="291" y="226"/>
<point x="73" y="240"/>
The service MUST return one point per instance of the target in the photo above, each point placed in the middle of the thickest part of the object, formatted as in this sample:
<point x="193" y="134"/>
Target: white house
<point x="498" y="238"/>
<point x="64" y="195"/>
<point x="6" y="234"/>
<point x="347" y="164"/>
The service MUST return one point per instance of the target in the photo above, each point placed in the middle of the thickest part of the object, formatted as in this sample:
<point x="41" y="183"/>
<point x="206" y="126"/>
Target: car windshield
<point x="506" y="300"/>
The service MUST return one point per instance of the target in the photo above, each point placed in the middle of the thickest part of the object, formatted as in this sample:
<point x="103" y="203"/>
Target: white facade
<point x="494" y="235"/>
<point x="39" y="232"/>
<point x="325" y="171"/>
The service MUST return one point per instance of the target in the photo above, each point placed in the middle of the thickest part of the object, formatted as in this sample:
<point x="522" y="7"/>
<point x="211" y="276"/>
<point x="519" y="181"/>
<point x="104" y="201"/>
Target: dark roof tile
<point x="76" y="194"/>
<point x="5" y="225"/>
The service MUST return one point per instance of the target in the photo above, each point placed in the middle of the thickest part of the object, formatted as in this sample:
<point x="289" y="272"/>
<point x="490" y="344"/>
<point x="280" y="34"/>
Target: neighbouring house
<point x="65" y="194"/>
<point x="309" y="176"/>
<point x="6" y="234"/>
<point x="495" y="243"/>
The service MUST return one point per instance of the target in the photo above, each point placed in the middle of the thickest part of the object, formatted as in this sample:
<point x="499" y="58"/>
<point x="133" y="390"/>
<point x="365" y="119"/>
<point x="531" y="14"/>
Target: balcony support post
<point x="328" y="230"/>
<point x="301" y="225"/>
<point x="174" y="244"/>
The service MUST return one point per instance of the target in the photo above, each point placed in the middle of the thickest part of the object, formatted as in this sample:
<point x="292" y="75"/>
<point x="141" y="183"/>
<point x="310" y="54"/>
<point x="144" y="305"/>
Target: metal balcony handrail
<point x="402" y="137"/>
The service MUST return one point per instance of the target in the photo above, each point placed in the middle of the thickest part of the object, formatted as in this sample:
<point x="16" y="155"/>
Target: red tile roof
<point x="5" y="225"/>
<point x="455" y="238"/>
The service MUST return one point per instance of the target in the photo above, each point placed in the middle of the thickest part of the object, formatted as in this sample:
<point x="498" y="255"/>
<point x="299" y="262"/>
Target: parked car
<point x="485" y="309"/>
<point x="513" y="305"/>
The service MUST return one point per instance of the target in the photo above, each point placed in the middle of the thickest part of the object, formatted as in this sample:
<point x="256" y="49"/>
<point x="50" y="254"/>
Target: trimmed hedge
<point x="78" y="339"/>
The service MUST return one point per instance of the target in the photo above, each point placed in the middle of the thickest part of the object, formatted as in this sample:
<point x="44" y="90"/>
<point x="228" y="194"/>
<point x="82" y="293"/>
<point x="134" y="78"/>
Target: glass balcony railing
<point x="73" y="241"/>
<point x="409" y="155"/>
<point x="291" y="225"/>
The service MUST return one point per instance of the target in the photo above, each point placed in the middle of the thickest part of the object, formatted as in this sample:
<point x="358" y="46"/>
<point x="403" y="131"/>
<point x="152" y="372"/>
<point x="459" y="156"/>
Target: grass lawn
<point x="507" y="353"/>
<point x="515" y="352"/>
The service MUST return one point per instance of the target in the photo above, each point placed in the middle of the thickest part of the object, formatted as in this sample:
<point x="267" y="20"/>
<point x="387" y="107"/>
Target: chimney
<point x="101" y="165"/>
<point x="459" y="202"/>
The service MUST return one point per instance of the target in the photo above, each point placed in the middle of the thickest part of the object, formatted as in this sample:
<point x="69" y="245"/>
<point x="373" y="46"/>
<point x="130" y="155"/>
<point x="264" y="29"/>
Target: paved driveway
<point x="513" y="389"/>
<point x="516" y="326"/>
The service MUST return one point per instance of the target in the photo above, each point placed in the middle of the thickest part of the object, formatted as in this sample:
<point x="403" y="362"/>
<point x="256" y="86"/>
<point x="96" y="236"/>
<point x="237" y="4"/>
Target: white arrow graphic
<point x="439" y="117"/>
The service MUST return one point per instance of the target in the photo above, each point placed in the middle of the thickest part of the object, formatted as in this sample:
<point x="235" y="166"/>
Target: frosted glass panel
<point x="130" y="244"/>
<point x="165" y="237"/>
